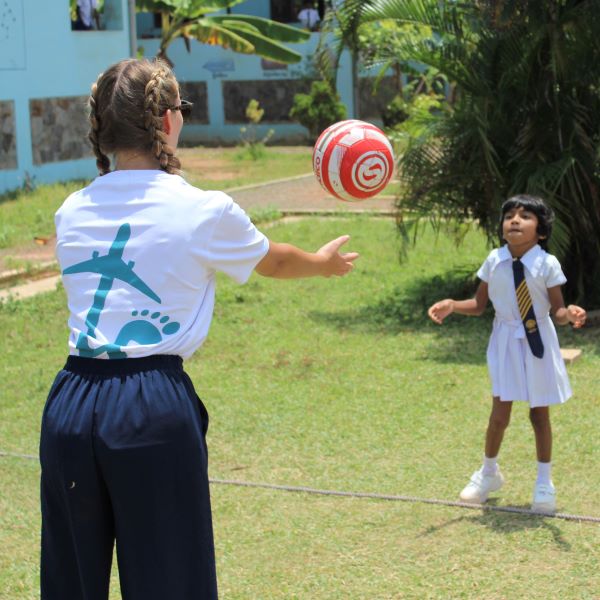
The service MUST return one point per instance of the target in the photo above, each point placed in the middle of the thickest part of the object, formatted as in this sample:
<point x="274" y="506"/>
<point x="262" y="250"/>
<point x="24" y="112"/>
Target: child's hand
<point x="576" y="315"/>
<point x="336" y="263"/>
<point x="440" y="310"/>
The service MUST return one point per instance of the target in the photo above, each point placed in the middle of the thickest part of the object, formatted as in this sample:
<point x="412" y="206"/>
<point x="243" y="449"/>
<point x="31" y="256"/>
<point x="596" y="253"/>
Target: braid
<point x="126" y="105"/>
<point x="102" y="161"/>
<point x="153" y="123"/>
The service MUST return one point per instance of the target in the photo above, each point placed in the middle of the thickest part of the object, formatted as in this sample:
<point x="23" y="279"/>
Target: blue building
<point x="46" y="70"/>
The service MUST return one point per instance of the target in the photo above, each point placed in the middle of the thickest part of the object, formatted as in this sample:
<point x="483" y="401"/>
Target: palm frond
<point x="442" y="17"/>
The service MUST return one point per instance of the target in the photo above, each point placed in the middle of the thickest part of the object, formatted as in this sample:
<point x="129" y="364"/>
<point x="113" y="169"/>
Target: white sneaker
<point x="544" y="498"/>
<point x="480" y="486"/>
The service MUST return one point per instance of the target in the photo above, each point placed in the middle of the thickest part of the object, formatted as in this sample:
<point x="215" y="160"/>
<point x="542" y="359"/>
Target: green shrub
<point x="319" y="109"/>
<point x="396" y="112"/>
<point x="253" y="147"/>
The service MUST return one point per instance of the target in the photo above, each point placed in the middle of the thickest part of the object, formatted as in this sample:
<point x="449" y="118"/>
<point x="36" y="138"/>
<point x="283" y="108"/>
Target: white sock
<point x="490" y="465"/>
<point x="543" y="473"/>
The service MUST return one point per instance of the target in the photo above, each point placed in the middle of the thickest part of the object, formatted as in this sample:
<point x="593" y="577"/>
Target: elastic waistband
<point x="123" y="366"/>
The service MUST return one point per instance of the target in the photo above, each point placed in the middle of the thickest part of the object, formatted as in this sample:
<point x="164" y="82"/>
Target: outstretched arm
<point x="563" y="315"/>
<point x="474" y="306"/>
<point x="285" y="261"/>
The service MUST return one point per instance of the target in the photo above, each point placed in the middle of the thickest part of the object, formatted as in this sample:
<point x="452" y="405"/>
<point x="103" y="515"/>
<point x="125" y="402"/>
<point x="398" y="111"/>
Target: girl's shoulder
<point x="538" y="259"/>
<point x="547" y="257"/>
<point x="496" y="256"/>
<point x="493" y="259"/>
<point x="550" y="269"/>
<point x="156" y="187"/>
<point x="544" y="266"/>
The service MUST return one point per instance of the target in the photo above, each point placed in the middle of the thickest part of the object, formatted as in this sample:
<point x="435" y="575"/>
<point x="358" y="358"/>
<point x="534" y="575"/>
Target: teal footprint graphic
<point x="143" y="331"/>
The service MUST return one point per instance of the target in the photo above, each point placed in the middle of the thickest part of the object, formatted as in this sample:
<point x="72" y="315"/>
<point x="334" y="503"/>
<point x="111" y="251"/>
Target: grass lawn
<point x="343" y="384"/>
<point x="24" y="215"/>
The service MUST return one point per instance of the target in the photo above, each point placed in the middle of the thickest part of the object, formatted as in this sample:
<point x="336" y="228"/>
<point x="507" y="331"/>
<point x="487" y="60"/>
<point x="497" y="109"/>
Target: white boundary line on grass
<point x="251" y="186"/>
<point x="415" y="499"/>
<point x="392" y="497"/>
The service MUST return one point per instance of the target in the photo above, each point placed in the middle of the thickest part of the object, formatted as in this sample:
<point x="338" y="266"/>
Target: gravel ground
<point x="303" y="194"/>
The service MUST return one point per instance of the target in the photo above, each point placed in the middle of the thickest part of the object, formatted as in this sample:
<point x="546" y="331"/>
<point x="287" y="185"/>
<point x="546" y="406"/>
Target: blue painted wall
<point x="43" y="58"/>
<point x="256" y="8"/>
<point x="202" y="64"/>
<point x="40" y="58"/>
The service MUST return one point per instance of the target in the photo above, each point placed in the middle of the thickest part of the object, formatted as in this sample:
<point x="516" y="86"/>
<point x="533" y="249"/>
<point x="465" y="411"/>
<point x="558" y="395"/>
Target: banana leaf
<point x="269" y="29"/>
<point x="208" y="32"/>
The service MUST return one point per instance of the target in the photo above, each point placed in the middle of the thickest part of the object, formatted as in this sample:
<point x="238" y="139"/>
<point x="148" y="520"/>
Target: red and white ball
<point x="353" y="160"/>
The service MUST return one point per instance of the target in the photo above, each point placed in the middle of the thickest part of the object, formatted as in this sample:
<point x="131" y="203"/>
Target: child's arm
<point x="284" y="261"/>
<point x="474" y="306"/>
<point x="571" y="314"/>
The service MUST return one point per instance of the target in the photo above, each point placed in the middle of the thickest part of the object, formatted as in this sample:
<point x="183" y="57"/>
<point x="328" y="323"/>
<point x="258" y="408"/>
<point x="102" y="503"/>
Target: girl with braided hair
<point x="123" y="448"/>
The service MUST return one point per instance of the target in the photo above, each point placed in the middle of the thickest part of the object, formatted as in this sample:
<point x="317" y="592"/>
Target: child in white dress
<point x="523" y="282"/>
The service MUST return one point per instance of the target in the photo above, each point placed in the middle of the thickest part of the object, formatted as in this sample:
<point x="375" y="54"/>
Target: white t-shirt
<point x="138" y="251"/>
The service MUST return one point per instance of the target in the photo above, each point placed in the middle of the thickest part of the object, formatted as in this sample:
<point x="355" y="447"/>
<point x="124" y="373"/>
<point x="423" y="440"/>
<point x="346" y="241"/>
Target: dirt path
<point x="303" y="194"/>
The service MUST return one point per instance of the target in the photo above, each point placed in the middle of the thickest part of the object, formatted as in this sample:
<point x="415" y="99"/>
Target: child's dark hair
<point x="127" y="103"/>
<point x="536" y="205"/>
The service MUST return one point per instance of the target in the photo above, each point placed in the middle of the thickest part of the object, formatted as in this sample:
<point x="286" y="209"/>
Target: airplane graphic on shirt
<point x="111" y="267"/>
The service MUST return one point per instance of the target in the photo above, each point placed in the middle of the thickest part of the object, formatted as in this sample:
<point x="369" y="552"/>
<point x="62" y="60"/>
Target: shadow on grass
<point x="404" y="310"/>
<point x="26" y="189"/>
<point x="11" y="195"/>
<point x="509" y="523"/>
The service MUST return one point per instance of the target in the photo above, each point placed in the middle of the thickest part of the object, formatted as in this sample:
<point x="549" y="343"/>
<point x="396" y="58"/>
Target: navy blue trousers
<point x="124" y="458"/>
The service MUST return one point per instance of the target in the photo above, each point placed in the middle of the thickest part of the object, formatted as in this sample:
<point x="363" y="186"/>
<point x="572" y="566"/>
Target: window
<point x="286" y="11"/>
<point x="89" y="15"/>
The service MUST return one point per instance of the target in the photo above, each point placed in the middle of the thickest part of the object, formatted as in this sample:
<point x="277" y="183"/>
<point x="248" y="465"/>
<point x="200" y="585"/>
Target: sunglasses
<point x="185" y="106"/>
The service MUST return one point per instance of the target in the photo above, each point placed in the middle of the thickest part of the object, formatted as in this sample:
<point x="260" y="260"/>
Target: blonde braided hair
<point x="126" y="105"/>
<point x="153" y="122"/>
<point x="102" y="161"/>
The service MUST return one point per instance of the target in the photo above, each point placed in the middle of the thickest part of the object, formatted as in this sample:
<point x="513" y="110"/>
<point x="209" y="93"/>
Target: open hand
<point x="337" y="263"/>
<point x="440" y="310"/>
<point x="576" y="315"/>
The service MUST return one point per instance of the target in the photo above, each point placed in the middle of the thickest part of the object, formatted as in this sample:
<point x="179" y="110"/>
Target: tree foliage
<point x="318" y="109"/>
<point x="192" y="19"/>
<point x="525" y="117"/>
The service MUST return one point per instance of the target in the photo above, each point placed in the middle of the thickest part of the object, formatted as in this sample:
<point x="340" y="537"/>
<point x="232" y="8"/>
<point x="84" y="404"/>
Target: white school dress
<point x="515" y="372"/>
<point x="139" y="251"/>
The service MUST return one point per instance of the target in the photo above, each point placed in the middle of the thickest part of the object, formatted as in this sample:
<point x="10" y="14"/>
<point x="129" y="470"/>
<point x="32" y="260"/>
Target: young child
<point x="523" y="282"/>
<point x="123" y="449"/>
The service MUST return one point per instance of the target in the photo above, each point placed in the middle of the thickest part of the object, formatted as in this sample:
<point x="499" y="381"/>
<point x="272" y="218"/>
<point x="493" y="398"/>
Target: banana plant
<point x="195" y="19"/>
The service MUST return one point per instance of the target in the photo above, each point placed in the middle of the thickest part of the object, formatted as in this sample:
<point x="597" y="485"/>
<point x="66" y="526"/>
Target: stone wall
<point x="195" y="91"/>
<point x="8" y="136"/>
<point x="59" y="128"/>
<point x="275" y="96"/>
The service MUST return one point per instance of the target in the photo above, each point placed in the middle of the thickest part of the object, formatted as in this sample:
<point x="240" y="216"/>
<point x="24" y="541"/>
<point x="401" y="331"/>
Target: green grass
<point x="24" y="214"/>
<point x="343" y="384"/>
<point x="226" y="168"/>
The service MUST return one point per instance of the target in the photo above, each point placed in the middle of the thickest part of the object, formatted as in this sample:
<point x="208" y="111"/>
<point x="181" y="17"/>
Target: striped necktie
<point x="526" y="310"/>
